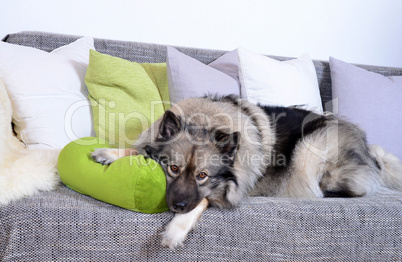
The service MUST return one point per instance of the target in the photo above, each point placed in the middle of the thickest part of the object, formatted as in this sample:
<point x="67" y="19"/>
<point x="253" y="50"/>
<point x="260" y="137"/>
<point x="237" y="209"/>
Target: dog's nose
<point x="180" y="206"/>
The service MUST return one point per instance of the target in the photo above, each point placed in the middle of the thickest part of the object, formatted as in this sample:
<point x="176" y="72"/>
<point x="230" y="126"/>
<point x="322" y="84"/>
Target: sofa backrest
<point x="155" y="53"/>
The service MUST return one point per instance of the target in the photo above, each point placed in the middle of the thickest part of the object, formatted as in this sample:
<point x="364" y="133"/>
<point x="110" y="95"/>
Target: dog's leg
<point x="106" y="156"/>
<point x="177" y="230"/>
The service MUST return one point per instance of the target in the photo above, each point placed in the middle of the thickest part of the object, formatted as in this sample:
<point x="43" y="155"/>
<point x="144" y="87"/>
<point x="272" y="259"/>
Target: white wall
<point x="357" y="31"/>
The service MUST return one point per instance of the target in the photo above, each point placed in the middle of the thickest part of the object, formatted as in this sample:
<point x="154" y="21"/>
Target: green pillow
<point x="126" y="97"/>
<point x="134" y="182"/>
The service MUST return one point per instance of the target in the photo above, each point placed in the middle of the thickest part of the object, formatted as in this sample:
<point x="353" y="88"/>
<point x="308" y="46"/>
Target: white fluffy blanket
<point x="23" y="172"/>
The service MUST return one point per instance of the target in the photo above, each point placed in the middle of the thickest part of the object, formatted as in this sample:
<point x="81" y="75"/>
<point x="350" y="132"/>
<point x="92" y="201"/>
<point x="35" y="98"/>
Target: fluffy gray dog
<point x="217" y="150"/>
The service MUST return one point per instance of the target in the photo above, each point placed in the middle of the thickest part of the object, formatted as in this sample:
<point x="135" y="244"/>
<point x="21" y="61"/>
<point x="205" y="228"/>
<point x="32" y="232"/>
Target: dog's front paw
<point x="105" y="156"/>
<point x="177" y="230"/>
<point x="174" y="235"/>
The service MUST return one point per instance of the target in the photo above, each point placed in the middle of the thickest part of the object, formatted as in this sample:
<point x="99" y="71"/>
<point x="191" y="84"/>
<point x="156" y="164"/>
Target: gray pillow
<point x="370" y="100"/>
<point x="188" y="77"/>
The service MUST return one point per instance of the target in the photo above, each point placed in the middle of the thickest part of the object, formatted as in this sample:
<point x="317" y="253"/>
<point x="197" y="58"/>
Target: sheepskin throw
<point x="23" y="172"/>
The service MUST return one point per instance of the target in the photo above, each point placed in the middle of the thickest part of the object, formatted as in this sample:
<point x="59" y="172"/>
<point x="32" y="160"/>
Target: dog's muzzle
<point x="182" y="202"/>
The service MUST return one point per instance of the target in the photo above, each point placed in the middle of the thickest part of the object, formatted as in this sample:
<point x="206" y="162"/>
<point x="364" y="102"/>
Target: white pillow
<point x="271" y="82"/>
<point x="48" y="93"/>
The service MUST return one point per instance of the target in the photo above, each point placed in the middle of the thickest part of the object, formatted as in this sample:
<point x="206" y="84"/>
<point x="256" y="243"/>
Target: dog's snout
<point x="182" y="194"/>
<point x="180" y="206"/>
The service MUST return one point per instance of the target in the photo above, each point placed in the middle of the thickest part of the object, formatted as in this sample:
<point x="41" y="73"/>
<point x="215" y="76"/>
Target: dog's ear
<point x="226" y="142"/>
<point x="170" y="126"/>
<point x="154" y="153"/>
<point x="149" y="150"/>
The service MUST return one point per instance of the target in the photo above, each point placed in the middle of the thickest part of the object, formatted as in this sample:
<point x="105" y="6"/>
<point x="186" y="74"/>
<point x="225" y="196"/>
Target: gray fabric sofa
<point x="63" y="225"/>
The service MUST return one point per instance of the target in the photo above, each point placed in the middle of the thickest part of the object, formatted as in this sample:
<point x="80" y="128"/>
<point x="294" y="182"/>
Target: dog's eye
<point x="202" y="176"/>
<point x="174" y="169"/>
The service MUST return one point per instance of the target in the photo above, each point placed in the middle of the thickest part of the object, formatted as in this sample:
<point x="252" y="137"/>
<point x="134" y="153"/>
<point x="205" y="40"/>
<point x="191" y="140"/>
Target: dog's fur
<point x="23" y="172"/>
<point x="219" y="149"/>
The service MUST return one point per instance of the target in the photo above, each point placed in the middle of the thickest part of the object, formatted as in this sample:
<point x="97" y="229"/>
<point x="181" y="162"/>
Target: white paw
<point x="177" y="230"/>
<point x="174" y="235"/>
<point x="104" y="156"/>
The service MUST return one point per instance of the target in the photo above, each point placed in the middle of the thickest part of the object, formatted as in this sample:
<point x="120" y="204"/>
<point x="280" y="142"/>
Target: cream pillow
<point x="188" y="77"/>
<point x="271" y="82"/>
<point x="48" y="93"/>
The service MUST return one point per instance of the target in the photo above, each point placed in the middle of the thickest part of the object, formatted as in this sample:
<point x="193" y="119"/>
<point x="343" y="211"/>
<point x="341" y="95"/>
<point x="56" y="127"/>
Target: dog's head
<point x="197" y="160"/>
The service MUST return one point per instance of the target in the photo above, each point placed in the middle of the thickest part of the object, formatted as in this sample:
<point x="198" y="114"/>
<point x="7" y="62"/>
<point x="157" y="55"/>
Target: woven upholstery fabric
<point x="63" y="225"/>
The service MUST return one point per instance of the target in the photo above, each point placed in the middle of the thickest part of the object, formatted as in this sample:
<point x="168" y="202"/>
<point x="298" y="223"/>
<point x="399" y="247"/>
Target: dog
<point x="217" y="150"/>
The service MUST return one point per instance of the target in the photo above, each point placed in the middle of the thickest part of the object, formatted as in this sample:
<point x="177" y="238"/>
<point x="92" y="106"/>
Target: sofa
<point x="63" y="225"/>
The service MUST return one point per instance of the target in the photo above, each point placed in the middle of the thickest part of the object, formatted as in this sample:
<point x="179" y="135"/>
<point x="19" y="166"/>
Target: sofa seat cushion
<point x="63" y="223"/>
